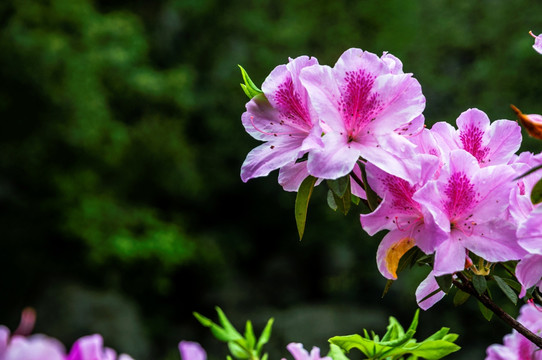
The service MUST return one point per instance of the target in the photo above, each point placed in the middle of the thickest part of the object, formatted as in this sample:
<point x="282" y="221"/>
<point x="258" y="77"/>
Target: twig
<point x="466" y="285"/>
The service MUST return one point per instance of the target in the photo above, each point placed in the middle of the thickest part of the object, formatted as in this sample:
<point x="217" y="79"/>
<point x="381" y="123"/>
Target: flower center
<point x="357" y="105"/>
<point x="461" y="196"/>
<point x="471" y="138"/>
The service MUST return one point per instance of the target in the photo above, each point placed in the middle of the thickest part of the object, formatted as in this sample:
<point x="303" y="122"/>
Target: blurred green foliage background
<point x="122" y="209"/>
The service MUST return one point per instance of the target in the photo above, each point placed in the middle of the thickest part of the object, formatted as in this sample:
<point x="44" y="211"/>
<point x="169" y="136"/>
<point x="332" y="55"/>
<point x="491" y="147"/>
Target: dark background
<point x="121" y="206"/>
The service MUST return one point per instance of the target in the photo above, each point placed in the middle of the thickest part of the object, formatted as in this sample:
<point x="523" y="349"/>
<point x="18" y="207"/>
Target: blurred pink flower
<point x="299" y="353"/>
<point x="516" y="346"/>
<point x="190" y="350"/>
<point x="537" y="42"/>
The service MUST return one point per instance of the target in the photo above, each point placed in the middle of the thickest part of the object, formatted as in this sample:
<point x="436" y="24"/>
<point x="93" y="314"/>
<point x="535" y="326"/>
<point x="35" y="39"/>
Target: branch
<point x="466" y="285"/>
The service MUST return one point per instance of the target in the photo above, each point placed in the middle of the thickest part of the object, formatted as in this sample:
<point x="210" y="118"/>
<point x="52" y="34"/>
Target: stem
<point x="466" y="285"/>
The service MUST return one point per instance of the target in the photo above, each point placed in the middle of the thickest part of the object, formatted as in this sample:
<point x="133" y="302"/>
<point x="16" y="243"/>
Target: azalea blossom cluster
<point x="454" y="192"/>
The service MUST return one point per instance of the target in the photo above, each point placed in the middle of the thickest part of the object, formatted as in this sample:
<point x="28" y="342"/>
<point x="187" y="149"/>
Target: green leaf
<point x="536" y="193"/>
<point x="331" y="200"/>
<point x="368" y="347"/>
<point x="434" y="349"/>
<point x="513" y="284"/>
<point x="343" y="202"/>
<point x="480" y="284"/>
<point x="507" y="290"/>
<point x="336" y="353"/>
<point x="248" y="87"/>
<point x="409" y="258"/>
<point x="249" y="335"/>
<point x="238" y="351"/>
<point x="388" y="284"/>
<point x="439" y="335"/>
<point x="488" y="314"/>
<point x="265" y="356"/>
<point x="394" y="330"/>
<point x="230" y="329"/>
<point x="339" y="186"/>
<point x="217" y="331"/>
<point x="302" y="203"/>
<point x="460" y="297"/>
<point x="444" y="282"/>
<point x="264" y="337"/>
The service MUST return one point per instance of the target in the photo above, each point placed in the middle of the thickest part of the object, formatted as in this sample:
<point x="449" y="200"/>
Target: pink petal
<point x="427" y="287"/>
<point x="191" y="351"/>
<point x="494" y="241"/>
<point x="529" y="272"/>
<point x="530" y="232"/>
<point x="449" y="257"/>
<point x="392" y="247"/>
<point x="504" y="141"/>
<point x="35" y="347"/>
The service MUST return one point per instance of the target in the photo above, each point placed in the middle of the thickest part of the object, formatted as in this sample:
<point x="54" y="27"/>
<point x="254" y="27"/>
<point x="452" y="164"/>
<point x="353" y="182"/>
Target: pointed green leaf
<point x="507" y="290"/>
<point x="439" y="335"/>
<point x="368" y="347"/>
<point x="230" y="329"/>
<point x="480" y="284"/>
<point x="355" y="199"/>
<point x="394" y="330"/>
<point x="536" y="193"/>
<point x="388" y="285"/>
<point x="435" y="349"/>
<point x="264" y="337"/>
<point x="342" y="203"/>
<point x="460" y="297"/>
<point x="302" y="203"/>
<point x="414" y="323"/>
<point x="265" y="356"/>
<point x="336" y="353"/>
<point x="513" y="284"/>
<point x="488" y="314"/>
<point x="444" y="282"/>
<point x="249" y="335"/>
<point x="450" y="337"/>
<point x="339" y="186"/>
<point x="216" y="330"/>
<point x="248" y="87"/>
<point x="331" y="200"/>
<point x="238" y="351"/>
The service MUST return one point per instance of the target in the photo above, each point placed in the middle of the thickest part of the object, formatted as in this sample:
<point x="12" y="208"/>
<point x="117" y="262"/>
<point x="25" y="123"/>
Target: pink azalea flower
<point x="191" y="351"/>
<point x="91" y="348"/>
<point x="299" y="353"/>
<point x="537" y="42"/>
<point x="399" y="213"/>
<point x="516" y="346"/>
<point x="467" y="203"/>
<point x="284" y="119"/>
<point x="35" y="347"/>
<point x="361" y="102"/>
<point x="490" y="144"/>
